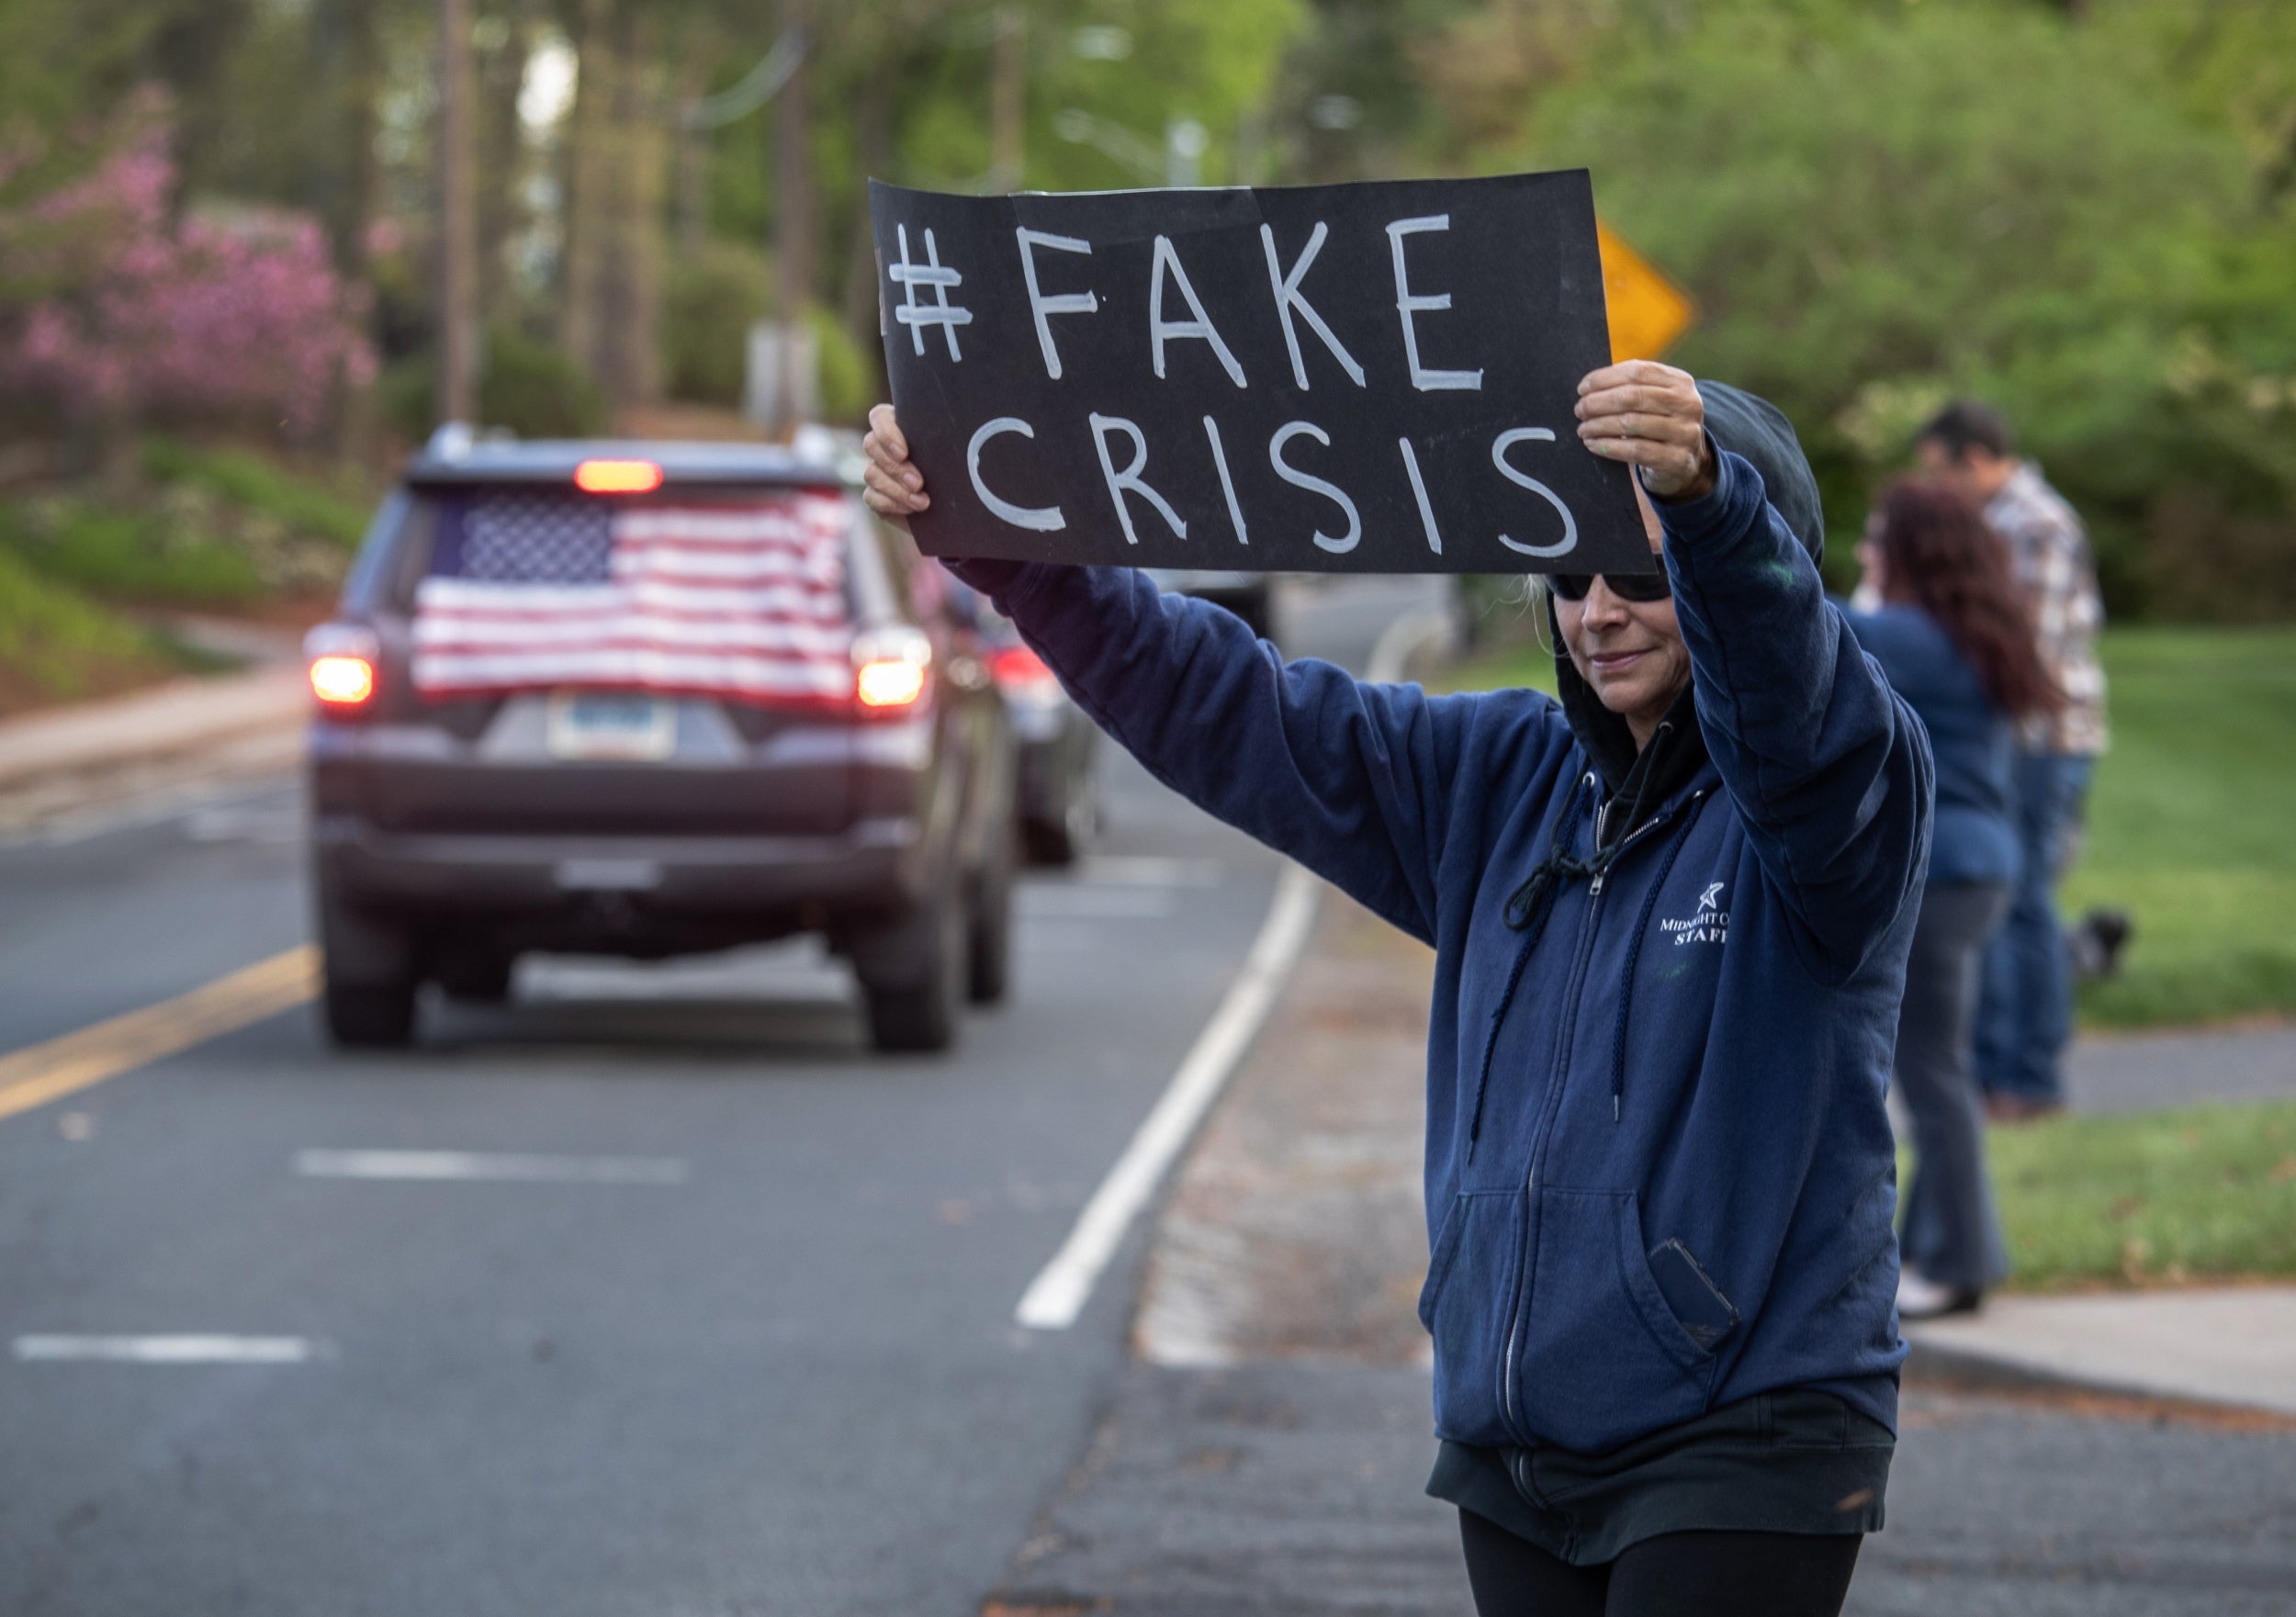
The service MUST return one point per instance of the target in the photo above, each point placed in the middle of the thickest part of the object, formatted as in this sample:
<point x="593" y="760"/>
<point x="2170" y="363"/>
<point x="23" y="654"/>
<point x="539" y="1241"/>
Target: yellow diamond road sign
<point x="1647" y="310"/>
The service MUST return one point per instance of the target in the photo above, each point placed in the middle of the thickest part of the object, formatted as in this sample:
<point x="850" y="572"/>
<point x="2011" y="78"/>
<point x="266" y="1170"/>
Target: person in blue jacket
<point x="1671" y="916"/>
<point x="1955" y="636"/>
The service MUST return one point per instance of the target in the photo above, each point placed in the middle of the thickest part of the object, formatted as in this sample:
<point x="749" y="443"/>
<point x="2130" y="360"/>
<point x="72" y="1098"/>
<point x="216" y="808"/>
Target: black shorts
<point x="1794" y="1461"/>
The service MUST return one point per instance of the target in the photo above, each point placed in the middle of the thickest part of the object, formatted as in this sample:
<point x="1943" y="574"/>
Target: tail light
<point x="1020" y="671"/>
<point x="343" y="661"/>
<point x="891" y="669"/>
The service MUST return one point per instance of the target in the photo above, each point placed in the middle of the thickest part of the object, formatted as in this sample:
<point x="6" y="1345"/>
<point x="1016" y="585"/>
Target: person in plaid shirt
<point x="2024" y="1014"/>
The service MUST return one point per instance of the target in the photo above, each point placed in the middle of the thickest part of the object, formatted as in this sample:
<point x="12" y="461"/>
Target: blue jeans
<point x="2025" y="1009"/>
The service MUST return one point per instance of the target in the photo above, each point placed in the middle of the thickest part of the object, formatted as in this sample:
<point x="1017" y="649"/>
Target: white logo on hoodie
<point x="1709" y="924"/>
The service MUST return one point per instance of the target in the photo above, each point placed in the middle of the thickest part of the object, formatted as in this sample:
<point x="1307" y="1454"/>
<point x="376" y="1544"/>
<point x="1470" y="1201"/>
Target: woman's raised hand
<point x="1649" y="415"/>
<point x="893" y="489"/>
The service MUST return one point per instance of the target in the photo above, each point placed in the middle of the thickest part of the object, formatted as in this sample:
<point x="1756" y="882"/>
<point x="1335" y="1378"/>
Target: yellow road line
<point x="41" y="1072"/>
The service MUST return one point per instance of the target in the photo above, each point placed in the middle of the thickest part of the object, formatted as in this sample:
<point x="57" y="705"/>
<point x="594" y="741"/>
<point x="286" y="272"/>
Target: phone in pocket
<point x="1692" y="1294"/>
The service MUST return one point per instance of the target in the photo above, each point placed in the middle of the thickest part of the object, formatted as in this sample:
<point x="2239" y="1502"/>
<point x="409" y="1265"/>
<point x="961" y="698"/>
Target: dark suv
<point x="648" y="699"/>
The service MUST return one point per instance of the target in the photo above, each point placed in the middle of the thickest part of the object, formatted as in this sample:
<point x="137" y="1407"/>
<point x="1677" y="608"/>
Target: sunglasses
<point x="1644" y="586"/>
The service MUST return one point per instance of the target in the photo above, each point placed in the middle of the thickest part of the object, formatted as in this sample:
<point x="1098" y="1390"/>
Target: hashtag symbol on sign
<point x="933" y="274"/>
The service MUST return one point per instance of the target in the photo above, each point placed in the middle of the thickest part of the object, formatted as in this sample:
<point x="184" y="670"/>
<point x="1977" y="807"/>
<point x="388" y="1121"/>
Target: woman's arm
<point x="1351" y="779"/>
<point x="1829" y="769"/>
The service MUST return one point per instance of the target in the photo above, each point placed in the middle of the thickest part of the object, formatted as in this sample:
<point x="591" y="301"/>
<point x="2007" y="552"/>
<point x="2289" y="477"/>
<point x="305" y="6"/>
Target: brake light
<point x="344" y="662"/>
<point x="342" y="681"/>
<point x="1018" y="667"/>
<point x="889" y="684"/>
<point x="617" y="476"/>
<point x="890" y="666"/>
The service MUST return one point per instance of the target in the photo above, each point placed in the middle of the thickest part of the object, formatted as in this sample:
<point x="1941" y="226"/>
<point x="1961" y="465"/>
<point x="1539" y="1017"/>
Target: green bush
<point x="537" y="390"/>
<point x="530" y="388"/>
<point x="130" y="555"/>
<point x="849" y="376"/>
<point x="1880" y="208"/>
<point x="249" y="481"/>
<point x="404" y="394"/>
<point x="54" y="642"/>
<point x="713" y="299"/>
<point x="715" y="296"/>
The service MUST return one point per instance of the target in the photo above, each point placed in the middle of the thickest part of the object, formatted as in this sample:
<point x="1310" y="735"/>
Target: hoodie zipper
<point x="1566" y="1036"/>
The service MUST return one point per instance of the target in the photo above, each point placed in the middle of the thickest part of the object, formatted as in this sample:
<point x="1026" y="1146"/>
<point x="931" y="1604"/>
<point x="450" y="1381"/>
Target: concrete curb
<point x="186" y="716"/>
<point x="1933" y="1366"/>
<point x="1965" y="1369"/>
<point x="2217" y="1348"/>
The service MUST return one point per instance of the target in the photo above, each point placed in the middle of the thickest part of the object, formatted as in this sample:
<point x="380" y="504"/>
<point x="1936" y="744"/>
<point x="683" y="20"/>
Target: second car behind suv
<point x="647" y="700"/>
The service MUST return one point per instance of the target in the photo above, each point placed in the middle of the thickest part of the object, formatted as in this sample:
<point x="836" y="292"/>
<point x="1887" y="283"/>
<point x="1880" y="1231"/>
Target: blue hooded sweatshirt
<point x="1681" y="1039"/>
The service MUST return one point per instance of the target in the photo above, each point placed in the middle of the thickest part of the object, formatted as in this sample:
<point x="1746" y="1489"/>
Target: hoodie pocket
<point x="1466" y="1306"/>
<point x="1601" y="1359"/>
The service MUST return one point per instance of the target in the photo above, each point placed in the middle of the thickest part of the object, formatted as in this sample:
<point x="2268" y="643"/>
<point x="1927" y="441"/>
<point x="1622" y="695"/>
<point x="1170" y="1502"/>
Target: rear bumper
<point x="878" y="865"/>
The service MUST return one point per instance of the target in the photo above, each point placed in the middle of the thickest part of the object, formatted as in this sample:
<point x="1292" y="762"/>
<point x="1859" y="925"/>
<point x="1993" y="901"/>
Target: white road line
<point x="504" y="1168"/>
<point x="171" y="1350"/>
<point x="1059" y="1292"/>
<point x="1096" y="904"/>
<point x="1058" y="1295"/>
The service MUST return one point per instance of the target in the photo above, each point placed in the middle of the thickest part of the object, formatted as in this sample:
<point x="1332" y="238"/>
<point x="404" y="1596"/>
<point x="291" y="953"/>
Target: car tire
<point x="367" y="979"/>
<point x="475" y="979"/>
<point x="988" y="953"/>
<point x="1061" y="842"/>
<point x="369" y="1016"/>
<point x="918" y="1009"/>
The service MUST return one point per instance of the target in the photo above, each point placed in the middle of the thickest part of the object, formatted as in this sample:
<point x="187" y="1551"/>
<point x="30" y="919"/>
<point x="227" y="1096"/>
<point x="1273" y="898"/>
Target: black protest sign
<point x="1371" y="377"/>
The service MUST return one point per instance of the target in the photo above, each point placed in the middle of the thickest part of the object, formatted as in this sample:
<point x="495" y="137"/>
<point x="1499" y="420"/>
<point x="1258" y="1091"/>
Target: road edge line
<point x="1057" y="1295"/>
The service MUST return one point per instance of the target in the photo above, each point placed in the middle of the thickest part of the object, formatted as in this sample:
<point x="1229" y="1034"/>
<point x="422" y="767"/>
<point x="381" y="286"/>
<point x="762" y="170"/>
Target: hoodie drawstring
<point x="1527" y="913"/>
<point x="1532" y="903"/>
<point x="1634" y="956"/>
<point x="1540" y="884"/>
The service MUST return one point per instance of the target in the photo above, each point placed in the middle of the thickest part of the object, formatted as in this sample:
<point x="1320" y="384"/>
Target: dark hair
<point x="1966" y="424"/>
<point x="1938" y="555"/>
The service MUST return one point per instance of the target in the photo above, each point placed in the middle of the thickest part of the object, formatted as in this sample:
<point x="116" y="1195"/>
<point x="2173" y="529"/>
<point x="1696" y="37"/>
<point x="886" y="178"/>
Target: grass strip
<point x="2187" y="825"/>
<point x="2145" y="1198"/>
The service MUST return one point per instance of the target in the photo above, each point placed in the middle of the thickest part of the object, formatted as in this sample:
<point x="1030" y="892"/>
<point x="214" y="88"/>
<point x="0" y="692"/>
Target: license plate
<point x="601" y="724"/>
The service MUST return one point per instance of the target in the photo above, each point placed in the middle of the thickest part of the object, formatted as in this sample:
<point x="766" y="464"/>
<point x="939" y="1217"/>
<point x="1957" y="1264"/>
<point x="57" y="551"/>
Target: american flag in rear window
<point x="734" y="597"/>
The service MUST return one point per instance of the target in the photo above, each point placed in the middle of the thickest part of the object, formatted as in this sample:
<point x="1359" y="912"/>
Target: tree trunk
<point x="627" y="363"/>
<point x="362" y="84"/>
<point x="694" y="149"/>
<point x="590" y="172"/>
<point x="793" y="202"/>
<point x="502" y="167"/>
<point x="1008" y="105"/>
<point x="354" y="211"/>
<point x="874" y="133"/>
<point x="610" y="316"/>
<point x="457" y="395"/>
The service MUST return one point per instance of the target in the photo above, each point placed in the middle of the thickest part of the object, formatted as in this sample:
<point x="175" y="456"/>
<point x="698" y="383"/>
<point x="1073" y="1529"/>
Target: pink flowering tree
<point x="113" y="311"/>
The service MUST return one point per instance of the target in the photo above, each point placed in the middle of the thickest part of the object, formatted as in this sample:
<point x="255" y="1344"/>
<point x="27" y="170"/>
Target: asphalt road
<point x="755" y="1355"/>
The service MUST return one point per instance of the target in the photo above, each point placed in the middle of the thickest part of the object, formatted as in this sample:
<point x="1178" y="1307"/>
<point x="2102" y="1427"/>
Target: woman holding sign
<point x="1671" y="917"/>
